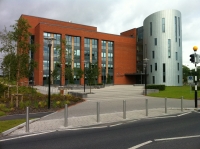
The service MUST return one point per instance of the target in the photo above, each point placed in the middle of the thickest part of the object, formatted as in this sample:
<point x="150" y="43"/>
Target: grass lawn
<point x="175" y="92"/>
<point x="5" y="125"/>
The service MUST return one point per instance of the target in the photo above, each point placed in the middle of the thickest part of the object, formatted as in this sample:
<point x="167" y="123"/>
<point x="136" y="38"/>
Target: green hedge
<point x="160" y="87"/>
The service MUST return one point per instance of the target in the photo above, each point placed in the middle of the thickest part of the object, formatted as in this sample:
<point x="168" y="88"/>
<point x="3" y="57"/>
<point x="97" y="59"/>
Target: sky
<point x="109" y="16"/>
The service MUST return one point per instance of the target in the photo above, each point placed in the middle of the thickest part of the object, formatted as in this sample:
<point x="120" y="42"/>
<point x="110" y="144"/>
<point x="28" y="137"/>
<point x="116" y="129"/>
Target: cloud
<point x="109" y="16"/>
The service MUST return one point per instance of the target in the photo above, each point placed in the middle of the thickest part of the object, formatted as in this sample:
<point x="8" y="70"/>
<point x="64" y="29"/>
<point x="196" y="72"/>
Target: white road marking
<point x="176" y="138"/>
<point x="196" y="111"/>
<point x="160" y="117"/>
<point x="139" y="145"/>
<point x="115" y="125"/>
<point x="26" y="136"/>
<point x="83" y="128"/>
<point x="184" y="114"/>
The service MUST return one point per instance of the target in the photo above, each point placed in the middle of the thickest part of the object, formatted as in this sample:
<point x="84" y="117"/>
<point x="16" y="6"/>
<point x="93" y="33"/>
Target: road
<point x="150" y="133"/>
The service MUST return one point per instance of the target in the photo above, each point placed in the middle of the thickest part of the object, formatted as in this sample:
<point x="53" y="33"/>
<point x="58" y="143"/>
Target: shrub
<point x="42" y="104"/>
<point x="160" y="87"/>
<point x="2" y="89"/>
<point x="2" y="113"/>
<point x="22" y="105"/>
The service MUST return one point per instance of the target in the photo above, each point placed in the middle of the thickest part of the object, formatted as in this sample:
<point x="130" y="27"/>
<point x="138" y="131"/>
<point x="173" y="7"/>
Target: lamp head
<point x="195" y="48"/>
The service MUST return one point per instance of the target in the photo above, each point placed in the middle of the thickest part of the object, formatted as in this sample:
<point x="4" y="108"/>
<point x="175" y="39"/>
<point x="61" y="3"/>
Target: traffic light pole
<point x="195" y="94"/>
<point x="195" y="58"/>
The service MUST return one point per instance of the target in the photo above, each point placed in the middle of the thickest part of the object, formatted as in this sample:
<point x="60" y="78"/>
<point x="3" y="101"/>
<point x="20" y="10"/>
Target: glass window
<point x="163" y="25"/>
<point x="155" y="66"/>
<point x="163" y="72"/>
<point x="179" y="42"/>
<point x="178" y="66"/>
<point x="155" y="41"/>
<point x="179" y="26"/>
<point x="176" y="55"/>
<point x="151" y="67"/>
<point x="153" y="54"/>
<point x="169" y="48"/>
<point x="153" y="78"/>
<point x="178" y="79"/>
<point x="176" y="28"/>
<point x="150" y="28"/>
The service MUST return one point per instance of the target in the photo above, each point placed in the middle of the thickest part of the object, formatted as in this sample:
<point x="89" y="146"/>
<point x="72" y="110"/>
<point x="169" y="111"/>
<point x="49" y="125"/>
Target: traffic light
<point x="192" y="58"/>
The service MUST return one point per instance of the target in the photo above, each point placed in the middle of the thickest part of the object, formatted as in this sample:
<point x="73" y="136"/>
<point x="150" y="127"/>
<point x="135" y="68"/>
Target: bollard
<point x="165" y="105"/>
<point x="124" y="109"/>
<point x="98" y="112"/>
<point x="27" y="119"/>
<point x="182" y="103"/>
<point x="66" y="116"/>
<point x="146" y="107"/>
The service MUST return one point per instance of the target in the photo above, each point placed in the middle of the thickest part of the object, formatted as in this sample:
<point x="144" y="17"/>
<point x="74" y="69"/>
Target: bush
<point x="160" y="87"/>
<point x="2" y="89"/>
<point x="2" y="113"/>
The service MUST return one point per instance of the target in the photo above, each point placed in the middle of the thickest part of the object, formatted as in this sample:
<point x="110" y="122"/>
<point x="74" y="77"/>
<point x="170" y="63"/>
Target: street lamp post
<point x="49" y="39"/>
<point x="104" y="77"/>
<point x="84" y="76"/>
<point x="145" y="80"/>
<point x="195" y="62"/>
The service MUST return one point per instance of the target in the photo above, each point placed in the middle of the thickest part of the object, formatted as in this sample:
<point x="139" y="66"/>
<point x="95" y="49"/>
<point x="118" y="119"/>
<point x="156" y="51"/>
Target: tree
<point x="91" y="73"/>
<point x="17" y="43"/>
<point x="108" y="81"/>
<point x="55" y="72"/>
<point x="186" y="72"/>
<point x="78" y="72"/>
<point x="10" y="63"/>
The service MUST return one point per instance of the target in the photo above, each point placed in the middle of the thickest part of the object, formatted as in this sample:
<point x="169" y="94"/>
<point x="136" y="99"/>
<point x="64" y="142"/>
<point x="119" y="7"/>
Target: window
<point x="163" y="25"/>
<point x="153" y="78"/>
<point x="176" y="55"/>
<point x="76" y="41"/>
<point x="178" y="66"/>
<point x="179" y="42"/>
<point x="87" y="42"/>
<point x="178" y="79"/>
<point x="179" y="26"/>
<point x="150" y="28"/>
<point x="153" y="54"/>
<point x="163" y="72"/>
<point x="169" y="48"/>
<point x="155" y="41"/>
<point x="151" y="68"/>
<point x="155" y="66"/>
<point x="176" y="28"/>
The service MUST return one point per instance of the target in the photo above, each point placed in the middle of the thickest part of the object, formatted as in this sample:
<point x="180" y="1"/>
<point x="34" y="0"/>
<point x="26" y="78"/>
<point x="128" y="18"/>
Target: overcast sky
<point x="109" y="16"/>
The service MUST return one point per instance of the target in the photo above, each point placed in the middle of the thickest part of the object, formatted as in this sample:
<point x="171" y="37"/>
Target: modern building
<point x="162" y="44"/>
<point x="120" y="57"/>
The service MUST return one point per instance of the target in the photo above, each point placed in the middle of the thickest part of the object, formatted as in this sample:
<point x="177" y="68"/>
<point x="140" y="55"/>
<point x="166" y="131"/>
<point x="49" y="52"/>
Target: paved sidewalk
<point x="74" y="122"/>
<point x="111" y="98"/>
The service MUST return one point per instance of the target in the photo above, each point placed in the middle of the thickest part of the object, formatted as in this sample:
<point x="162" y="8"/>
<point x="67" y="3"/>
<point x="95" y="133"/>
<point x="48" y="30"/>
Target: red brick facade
<point x="124" y="47"/>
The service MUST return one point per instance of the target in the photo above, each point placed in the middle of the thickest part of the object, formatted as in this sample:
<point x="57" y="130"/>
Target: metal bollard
<point x="27" y="119"/>
<point x="66" y="116"/>
<point x="98" y="112"/>
<point x="146" y="107"/>
<point x="165" y="105"/>
<point x="182" y="103"/>
<point x="124" y="109"/>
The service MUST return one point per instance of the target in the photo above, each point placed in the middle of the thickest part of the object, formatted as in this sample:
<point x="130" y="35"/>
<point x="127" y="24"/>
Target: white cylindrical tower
<point x="162" y="43"/>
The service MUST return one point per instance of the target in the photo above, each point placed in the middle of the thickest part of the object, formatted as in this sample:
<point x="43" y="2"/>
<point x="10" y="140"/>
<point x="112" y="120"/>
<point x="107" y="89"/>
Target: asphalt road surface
<point x="172" y="132"/>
